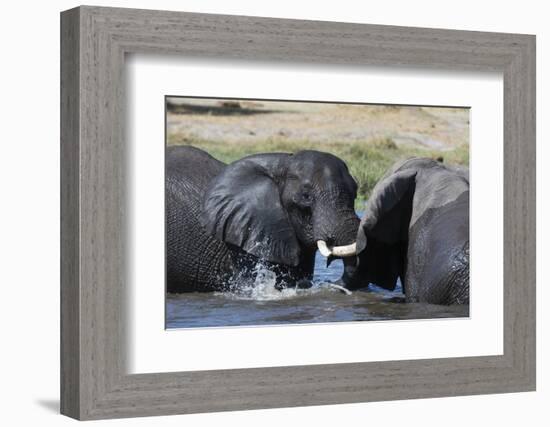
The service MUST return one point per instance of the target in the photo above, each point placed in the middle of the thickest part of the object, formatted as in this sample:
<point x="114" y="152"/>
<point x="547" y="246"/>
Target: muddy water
<point x="261" y="304"/>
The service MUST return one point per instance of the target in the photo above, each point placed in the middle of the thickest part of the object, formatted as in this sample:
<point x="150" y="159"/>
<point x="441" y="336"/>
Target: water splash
<point x="258" y="284"/>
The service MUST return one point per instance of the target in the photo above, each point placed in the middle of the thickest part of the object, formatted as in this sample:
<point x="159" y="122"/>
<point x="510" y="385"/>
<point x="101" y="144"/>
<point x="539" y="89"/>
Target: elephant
<point x="416" y="228"/>
<point x="273" y="209"/>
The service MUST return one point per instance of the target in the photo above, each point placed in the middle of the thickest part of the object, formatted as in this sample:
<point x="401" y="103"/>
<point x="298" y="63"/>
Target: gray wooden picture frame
<point x="94" y="41"/>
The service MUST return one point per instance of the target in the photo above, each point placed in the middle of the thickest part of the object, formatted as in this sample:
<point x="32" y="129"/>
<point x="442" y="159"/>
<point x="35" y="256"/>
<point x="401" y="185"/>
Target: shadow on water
<point x="320" y="304"/>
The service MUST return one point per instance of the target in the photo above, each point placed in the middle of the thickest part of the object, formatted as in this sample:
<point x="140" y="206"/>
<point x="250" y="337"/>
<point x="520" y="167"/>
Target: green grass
<point x="366" y="160"/>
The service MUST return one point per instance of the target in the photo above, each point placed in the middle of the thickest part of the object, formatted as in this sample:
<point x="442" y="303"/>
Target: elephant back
<point x="189" y="249"/>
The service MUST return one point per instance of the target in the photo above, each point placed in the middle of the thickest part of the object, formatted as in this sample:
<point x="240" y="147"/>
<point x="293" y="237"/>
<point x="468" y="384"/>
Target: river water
<point x="263" y="305"/>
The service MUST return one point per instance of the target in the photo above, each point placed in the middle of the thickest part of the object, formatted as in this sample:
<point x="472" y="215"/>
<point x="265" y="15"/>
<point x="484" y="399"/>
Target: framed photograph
<point x="261" y="213"/>
<point x="231" y="242"/>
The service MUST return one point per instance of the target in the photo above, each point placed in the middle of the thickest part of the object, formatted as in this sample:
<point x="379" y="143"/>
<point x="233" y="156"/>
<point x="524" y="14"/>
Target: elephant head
<point x="281" y="207"/>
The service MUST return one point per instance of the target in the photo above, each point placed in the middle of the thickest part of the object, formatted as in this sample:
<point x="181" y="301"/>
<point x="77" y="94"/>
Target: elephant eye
<point x="306" y="197"/>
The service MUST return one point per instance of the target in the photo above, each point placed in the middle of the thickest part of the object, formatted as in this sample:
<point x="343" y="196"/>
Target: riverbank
<point x="369" y="138"/>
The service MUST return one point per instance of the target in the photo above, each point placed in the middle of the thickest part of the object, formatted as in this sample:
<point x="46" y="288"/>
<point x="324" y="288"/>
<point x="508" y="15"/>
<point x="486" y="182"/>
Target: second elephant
<point x="416" y="228"/>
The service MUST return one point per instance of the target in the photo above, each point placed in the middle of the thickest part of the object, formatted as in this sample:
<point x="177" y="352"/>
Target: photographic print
<point x="295" y="212"/>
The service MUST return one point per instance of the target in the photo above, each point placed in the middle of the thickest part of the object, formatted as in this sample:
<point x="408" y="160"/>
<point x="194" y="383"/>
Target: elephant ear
<point x="380" y="219"/>
<point x="242" y="207"/>
<point x="384" y="226"/>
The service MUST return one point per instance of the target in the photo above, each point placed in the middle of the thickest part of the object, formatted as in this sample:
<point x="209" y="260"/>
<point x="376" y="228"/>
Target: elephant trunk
<point x="335" y="234"/>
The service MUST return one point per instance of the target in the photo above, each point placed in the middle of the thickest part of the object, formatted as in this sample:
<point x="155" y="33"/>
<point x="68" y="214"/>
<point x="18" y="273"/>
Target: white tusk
<point x="323" y="248"/>
<point x="340" y="251"/>
<point x="344" y="251"/>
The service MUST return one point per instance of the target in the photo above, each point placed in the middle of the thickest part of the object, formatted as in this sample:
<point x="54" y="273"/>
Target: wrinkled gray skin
<point x="416" y="228"/>
<point x="221" y="219"/>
